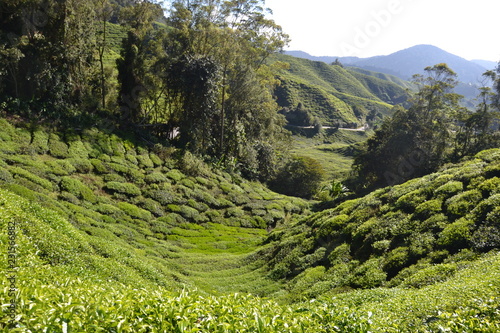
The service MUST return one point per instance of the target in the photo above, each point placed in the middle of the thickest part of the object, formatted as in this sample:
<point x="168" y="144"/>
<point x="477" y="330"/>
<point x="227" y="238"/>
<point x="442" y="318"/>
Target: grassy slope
<point x="154" y="217"/>
<point x="331" y="92"/>
<point x="334" y="149"/>
<point x="411" y="235"/>
<point x="86" y="259"/>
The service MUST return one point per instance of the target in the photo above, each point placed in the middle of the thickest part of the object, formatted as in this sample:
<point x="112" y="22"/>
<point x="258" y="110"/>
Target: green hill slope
<point x="410" y="235"/>
<point x="110" y="235"/>
<point x="144" y="215"/>
<point x="335" y="94"/>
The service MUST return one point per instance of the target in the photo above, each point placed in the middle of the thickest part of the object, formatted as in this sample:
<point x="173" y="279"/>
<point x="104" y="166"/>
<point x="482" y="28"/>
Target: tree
<point x="135" y="67"/>
<point x="104" y="12"/>
<point x="193" y="84"/>
<point x="416" y="141"/>
<point x="301" y="176"/>
<point x="479" y="130"/>
<point x="48" y="49"/>
<point x="238" y="37"/>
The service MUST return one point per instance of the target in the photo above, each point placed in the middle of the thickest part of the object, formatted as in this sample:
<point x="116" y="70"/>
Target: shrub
<point x="420" y="244"/>
<point x="113" y="177"/>
<point x="368" y="275"/>
<point x="57" y="148"/>
<point x="301" y="177"/>
<point x="235" y="212"/>
<point x="123" y="188"/>
<point x="119" y="168"/>
<point x="155" y="177"/>
<point x="429" y="208"/>
<point x="152" y="206"/>
<point x="396" y="260"/>
<point x="6" y="176"/>
<point x="188" y="183"/>
<point x="332" y="224"/>
<point x="486" y="237"/>
<point x="430" y="275"/>
<point x="191" y="214"/>
<point x="135" y="176"/>
<point x="489" y="155"/>
<point x="164" y="197"/>
<point x="193" y="166"/>
<point x="40" y="141"/>
<point x="490" y="186"/>
<point x="450" y="188"/>
<point x="134" y="211"/>
<point x="456" y="235"/>
<point x="174" y="208"/>
<point x="131" y="158"/>
<point x="492" y="170"/>
<point x="172" y="219"/>
<point x="381" y="246"/>
<point x="481" y="211"/>
<point x="341" y="254"/>
<point x="108" y="209"/>
<point x="145" y="161"/>
<point x="16" y="171"/>
<point x="78" y="150"/>
<point x="82" y="165"/>
<point x="205" y="197"/>
<point x="99" y="166"/>
<point x="175" y="175"/>
<point x="71" y="185"/>
<point x="70" y="197"/>
<point x="462" y="203"/>
<point x="155" y="159"/>
<point x="411" y="200"/>
<point x="199" y="206"/>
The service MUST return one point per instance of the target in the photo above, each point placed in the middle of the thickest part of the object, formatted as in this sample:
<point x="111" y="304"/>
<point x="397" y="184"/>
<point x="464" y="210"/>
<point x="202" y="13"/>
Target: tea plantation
<point x="101" y="233"/>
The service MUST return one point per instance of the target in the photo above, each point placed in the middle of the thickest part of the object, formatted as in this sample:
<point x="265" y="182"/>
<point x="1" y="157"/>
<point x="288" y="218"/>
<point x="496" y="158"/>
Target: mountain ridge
<point x="421" y="56"/>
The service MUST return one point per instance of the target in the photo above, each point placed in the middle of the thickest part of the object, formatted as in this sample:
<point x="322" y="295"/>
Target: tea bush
<point x="134" y="211"/>
<point x="20" y="172"/>
<point x="155" y="177"/>
<point x="123" y="188"/>
<point x="57" y="148"/>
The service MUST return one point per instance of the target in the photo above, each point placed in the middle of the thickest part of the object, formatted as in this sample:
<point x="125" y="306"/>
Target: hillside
<point x="144" y="214"/>
<point x="411" y="235"/>
<point x="335" y="94"/>
<point x="413" y="60"/>
<point x="405" y="63"/>
<point x="109" y="232"/>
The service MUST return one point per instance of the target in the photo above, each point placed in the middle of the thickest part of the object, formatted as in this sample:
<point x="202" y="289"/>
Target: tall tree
<point x="479" y="129"/>
<point x="137" y="57"/>
<point x="416" y="141"/>
<point x="237" y="35"/>
<point x="50" y="52"/>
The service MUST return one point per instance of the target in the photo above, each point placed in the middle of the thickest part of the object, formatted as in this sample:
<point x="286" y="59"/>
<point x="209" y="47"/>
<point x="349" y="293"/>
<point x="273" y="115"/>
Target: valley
<point x="298" y="194"/>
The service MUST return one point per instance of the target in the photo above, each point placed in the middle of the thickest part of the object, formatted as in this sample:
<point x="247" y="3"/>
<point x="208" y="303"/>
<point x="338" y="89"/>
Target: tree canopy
<point x="435" y="129"/>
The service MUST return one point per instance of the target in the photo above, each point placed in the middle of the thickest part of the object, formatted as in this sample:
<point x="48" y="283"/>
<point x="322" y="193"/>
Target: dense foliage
<point x="66" y="281"/>
<point x="434" y="130"/>
<point x="199" y="73"/>
<point x="131" y="146"/>
<point x="411" y="235"/>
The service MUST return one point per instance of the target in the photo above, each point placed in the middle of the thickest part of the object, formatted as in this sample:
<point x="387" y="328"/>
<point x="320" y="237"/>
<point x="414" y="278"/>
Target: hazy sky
<point x="363" y="28"/>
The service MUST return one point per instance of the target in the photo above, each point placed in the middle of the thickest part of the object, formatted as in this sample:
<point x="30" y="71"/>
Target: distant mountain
<point x="413" y="60"/>
<point x="407" y="62"/>
<point x="327" y="59"/>
<point x="486" y="63"/>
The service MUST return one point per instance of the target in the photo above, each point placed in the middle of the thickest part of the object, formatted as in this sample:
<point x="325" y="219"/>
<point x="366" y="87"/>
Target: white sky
<point x="364" y="28"/>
